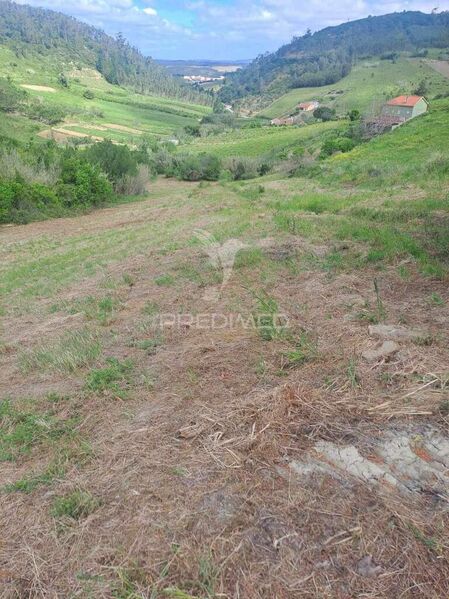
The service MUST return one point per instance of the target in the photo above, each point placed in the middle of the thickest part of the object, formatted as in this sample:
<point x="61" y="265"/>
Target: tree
<point x="422" y="88"/>
<point x="324" y="113"/>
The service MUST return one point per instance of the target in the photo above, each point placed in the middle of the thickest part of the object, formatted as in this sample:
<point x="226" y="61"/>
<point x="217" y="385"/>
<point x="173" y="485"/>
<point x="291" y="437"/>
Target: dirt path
<point x="224" y="462"/>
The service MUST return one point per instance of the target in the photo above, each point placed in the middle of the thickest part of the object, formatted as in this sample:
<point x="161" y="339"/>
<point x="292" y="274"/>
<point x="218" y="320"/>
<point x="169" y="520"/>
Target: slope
<point x="156" y="443"/>
<point x="36" y="32"/>
<point x="328" y="55"/>
<point x="368" y="85"/>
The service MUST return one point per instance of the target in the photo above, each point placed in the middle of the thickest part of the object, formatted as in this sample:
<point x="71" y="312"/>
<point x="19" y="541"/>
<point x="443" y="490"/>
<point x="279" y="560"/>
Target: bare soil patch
<point x="38" y="88"/>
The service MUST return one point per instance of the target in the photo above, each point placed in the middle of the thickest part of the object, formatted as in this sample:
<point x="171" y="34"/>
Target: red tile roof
<point x="405" y="101"/>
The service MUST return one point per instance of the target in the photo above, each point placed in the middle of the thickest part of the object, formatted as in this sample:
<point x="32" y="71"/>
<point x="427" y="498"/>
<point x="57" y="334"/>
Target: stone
<point x="394" y="333"/>
<point x="385" y="351"/>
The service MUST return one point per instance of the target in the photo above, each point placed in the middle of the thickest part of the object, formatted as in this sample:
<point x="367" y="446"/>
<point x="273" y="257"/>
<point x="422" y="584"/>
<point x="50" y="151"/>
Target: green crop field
<point x="258" y="141"/>
<point x="368" y="85"/>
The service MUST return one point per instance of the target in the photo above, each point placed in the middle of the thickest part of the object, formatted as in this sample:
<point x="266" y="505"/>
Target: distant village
<point x="201" y="79"/>
<point x="392" y="114"/>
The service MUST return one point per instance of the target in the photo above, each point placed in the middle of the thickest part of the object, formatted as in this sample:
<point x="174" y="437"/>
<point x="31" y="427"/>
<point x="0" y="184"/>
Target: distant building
<point x="404" y="108"/>
<point x="285" y="121"/>
<point x="308" y="106"/>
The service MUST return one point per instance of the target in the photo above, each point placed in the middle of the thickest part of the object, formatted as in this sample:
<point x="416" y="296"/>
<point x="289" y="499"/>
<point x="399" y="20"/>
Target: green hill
<point x="369" y="84"/>
<point x="325" y="57"/>
<point x="35" y="32"/>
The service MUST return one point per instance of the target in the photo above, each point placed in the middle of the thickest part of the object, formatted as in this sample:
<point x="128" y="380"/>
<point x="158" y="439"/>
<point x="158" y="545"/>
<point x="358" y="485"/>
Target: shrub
<point x="89" y="94"/>
<point x="82" y="183"/>
<point x="247" y="168"/>
<point x="116" y="161"/>
<point x="51" y="115"/>
<point x="23" y="202"/>
<point x="324" y="113"/>
<point x="134" y="184"/>
<point x="190" y="167"/>
<point x="333" y="145"/>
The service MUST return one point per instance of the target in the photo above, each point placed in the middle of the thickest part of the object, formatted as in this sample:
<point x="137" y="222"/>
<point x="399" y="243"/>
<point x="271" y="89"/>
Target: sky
<point x="221" y="29"/>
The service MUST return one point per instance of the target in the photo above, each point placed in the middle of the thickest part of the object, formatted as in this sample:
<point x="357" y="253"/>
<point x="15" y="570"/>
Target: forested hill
<point x="324" y="57"/>
<point x="28" y="30"/>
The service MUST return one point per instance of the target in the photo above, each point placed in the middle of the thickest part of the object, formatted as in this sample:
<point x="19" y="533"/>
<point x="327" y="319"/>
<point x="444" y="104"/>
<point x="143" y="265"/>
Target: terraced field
<point x="122" y="108"/>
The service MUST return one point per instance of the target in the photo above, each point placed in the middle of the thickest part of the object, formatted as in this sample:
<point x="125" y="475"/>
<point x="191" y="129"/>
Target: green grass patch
<point x="22" y="429"/>
<point x="113" y="379"/>
<point x="76" y="505"/>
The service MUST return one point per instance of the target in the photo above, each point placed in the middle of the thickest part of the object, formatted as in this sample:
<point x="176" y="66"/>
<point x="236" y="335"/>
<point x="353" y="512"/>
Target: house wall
<point x="402" y="112"/>
<point x="419" y="108"/>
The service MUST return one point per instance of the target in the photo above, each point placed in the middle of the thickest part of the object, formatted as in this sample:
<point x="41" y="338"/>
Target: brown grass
<point x="192" y="472"/>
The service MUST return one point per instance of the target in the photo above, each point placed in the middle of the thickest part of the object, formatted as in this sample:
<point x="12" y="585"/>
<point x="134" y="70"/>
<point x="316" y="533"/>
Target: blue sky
<point x="221" y="29"/>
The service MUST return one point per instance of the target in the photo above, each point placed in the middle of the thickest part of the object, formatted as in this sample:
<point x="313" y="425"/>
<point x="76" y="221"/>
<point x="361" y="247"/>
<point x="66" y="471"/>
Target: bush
<point x="23" y="202"/>
<point x="336" y="144"/>
<point x="89" y="94"/>
<point x="82" y="183"/>
<point x="51" y="115"/>
<point x="200" y="167"/>
<point x="324" y="113"/>
<point x="247" y="168"/>
<point x="133" y="185"/>
<point x="116" y="161"/>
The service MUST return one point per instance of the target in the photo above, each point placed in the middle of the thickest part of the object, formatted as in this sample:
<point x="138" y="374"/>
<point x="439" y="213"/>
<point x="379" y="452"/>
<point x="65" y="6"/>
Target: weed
<point x="267" y="318"/>
<point x="149" y="345"/>
<point x="76" y="505"/>
<point x="112" y="379"/>
<point x="128" y="280"/>
<point x="305" y="350"/>
<point x="164" y="280"/>
<point x="27" y="485"/>
<point x="436" y="300"/>
<point x="352" y="374"/>
<point x="74" y="350"/>
<point x="99" y="309"/>
<point x="21" y="430"/>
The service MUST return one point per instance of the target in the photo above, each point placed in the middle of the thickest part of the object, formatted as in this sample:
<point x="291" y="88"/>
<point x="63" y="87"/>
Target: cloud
<point x="221" y="29"/>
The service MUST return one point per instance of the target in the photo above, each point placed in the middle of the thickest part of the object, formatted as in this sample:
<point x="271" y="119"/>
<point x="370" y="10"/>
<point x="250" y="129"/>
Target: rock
<point x="366" y="567"/>
<point x="386" y="350"/>
<point x="394" y="333"/>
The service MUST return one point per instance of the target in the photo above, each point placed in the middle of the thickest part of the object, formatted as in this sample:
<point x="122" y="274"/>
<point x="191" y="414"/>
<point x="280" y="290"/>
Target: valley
<point x="223" y="342"/>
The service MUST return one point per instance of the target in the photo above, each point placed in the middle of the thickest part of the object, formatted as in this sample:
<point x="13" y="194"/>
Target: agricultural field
<point x="258" y="141"/>
<point x="110" y="105"/>
<point x="366" y="88"/>
<point x="178" y="424"/>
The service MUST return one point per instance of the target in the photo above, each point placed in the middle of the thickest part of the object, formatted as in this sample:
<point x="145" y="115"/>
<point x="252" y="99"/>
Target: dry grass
<point x="193" y="493"/>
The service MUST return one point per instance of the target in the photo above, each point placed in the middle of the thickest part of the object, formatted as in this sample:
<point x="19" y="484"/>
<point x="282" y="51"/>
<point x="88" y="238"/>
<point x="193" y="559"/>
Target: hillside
<point x="175" y="427"/>
<point x="369" y="84"/>
<point x="326" y="56"/>
<point x="35" y="32"/>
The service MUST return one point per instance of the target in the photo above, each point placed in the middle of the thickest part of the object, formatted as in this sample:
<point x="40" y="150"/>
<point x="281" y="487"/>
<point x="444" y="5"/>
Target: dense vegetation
<point x="327" y="56"/>
<point x="28" y="30"/>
